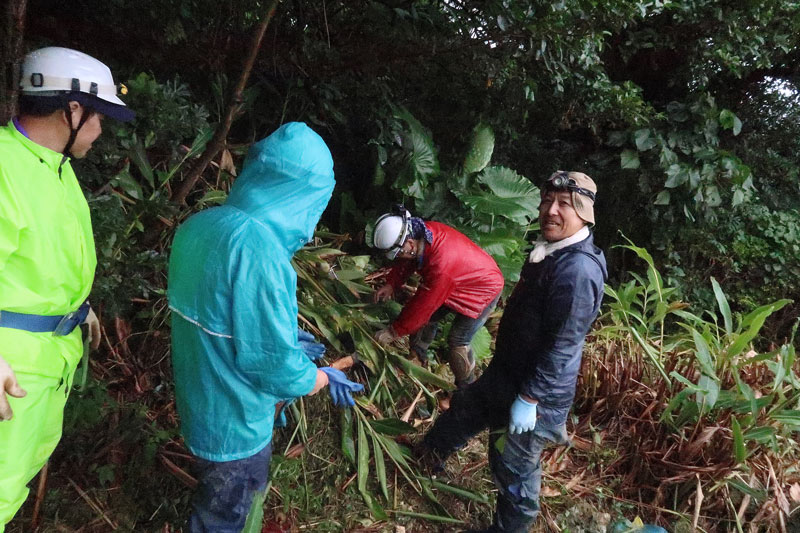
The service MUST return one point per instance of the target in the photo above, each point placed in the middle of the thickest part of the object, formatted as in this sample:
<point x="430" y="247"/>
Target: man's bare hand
<point x="384" y="293"/>
<point x="94" y="329"/>
<point x="8" y="385"/>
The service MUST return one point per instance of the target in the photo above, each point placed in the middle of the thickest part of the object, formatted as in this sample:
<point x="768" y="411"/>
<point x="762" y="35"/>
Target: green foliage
<point x="493" y="205"/>
<point x="754" y="250"/>
<point x="131" y="170"/>
<point x="708" y="368"/>
<point x="686" y="114"/>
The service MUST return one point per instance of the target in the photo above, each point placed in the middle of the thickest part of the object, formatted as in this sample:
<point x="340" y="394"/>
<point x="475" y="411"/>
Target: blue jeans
<point x="225" y="492"/>
<point x="514" y="459"/>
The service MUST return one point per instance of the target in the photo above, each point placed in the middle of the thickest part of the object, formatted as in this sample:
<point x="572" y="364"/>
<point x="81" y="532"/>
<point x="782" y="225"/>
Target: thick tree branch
<point x="11" y="56"/>
<point x="218" y="141"/>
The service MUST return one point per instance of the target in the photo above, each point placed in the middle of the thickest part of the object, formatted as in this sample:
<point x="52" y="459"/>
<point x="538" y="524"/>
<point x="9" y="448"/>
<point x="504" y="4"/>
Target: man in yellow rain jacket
<point x="47" y="255"/>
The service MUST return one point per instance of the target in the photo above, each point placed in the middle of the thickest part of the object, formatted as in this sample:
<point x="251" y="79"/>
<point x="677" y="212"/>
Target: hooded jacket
<point x="47" y="255"/>
<point x="542" y="332"/>
<point x="232" y="290"/>
<point x="455" y="272"/>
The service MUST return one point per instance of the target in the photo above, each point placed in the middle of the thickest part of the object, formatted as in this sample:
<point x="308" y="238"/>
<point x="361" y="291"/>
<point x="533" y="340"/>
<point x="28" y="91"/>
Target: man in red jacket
<point x="457" y="277"/>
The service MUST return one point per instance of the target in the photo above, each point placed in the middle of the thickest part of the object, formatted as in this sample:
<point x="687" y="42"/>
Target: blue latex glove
<point x="340" y="387"/>
<point x="523" y="416"/>
<point x="280" y="418"/>
<point x="313" y="350"/>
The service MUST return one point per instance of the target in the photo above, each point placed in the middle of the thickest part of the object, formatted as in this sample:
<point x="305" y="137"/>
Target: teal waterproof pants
<point x="28" y="439"/>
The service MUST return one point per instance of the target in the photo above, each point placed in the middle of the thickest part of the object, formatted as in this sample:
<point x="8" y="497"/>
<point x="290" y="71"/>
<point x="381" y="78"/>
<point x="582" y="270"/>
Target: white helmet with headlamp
<point x="53" y="77"/>
<point x="60" y="72"/>
<point x="391" y="232"/>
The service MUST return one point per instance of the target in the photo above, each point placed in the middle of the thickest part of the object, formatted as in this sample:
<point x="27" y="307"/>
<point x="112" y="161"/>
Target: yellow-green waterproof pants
<point x="28" y="439"/>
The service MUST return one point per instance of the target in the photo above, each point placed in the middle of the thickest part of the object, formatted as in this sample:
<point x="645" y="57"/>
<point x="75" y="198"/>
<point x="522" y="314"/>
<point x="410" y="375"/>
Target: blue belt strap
<point x="60" y="325"/>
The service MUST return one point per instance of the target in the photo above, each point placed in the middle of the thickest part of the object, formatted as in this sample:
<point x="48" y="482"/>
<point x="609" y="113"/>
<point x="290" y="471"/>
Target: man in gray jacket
<point x="526" y="393"/>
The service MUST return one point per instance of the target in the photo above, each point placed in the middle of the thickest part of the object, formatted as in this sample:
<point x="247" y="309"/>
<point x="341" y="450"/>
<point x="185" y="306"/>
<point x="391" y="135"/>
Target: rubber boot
<point x="462" y="364"/>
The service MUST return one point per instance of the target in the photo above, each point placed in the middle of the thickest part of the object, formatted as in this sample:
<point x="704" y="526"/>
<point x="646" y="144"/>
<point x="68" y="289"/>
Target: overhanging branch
<point x="218" y="141"/>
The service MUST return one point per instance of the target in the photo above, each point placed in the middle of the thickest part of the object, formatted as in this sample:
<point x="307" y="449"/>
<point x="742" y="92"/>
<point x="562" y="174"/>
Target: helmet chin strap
<point x="73" y="132"/>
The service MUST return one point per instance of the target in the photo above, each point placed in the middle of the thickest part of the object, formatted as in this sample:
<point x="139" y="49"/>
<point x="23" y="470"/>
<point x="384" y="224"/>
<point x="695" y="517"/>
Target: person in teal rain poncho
<point x="235" y="347"/>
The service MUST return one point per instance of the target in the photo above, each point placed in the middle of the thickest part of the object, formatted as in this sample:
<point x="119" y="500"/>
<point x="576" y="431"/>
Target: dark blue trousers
<point x="514" y="459"/>
<point x="225" y="492"/>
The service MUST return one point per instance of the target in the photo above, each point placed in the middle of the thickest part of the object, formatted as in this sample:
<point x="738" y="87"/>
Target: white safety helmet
<point x="391" y="232"/>
<point x="62" y="72"/>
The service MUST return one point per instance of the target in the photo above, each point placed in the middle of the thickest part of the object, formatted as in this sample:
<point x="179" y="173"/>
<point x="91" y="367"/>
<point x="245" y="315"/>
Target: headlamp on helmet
<point x="561" y="181"/>
<point x="391" y="231"/>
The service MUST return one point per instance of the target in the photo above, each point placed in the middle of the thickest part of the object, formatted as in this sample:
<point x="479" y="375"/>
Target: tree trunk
<point x="11" y="55"/>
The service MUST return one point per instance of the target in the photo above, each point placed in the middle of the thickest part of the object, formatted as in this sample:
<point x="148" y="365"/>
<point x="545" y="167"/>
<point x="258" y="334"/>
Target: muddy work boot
<point x="462" y="364"/>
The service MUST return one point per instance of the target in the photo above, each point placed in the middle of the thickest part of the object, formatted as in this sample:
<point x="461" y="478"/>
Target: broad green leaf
<point x="425" y="483"/>
<point x="498" y="242"/>
<point x="724" y="308"/>
<point x="458" y="491"/>
<point x="491" y="204"/>
<point x="200" y="142"/>
<point x="730" y="121"/>
<point x="644" y="140"/>
<point x="139" y="158"/>
<point x="744" y="488"/>
<point x="662" y="198"/>
<point x="347" y="275"/>
<point x="348" y="443"/>
<point x="500" y="442"/>
<point x="376" y="510"/>
<point x="391" y="426"/>
<point x="431" y="517"/>
<point x="506" y="183"/>
<point x="703" y="354"/>
<point x="762" y="435"/>
<point x="681" y="379"/>
<point x="216" y="197"/>
<point x="748" y="393"/>
<point x="629" y="159"/>
<point x="712" y="197"/>
<point x="380" y="467"/>
<point x="481" y="344"/>
<point x="418" y="145"/>
<point x="255" y="516"/>
<point x="707" y="398"/>
<point x="418" y="372"/>
<point x="789" y="417"/>
<point x="753" y="322"/>
<point x="676" y="175"/>
<point x="480" y="150"/>
<point x="129" y="186"/>
<point x="652" y="354"/>
<point x="394" y="451"/>
<point x="363" y="457"/>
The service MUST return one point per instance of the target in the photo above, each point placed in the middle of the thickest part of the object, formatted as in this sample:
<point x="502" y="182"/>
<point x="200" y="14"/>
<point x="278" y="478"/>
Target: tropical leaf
<point x="480" y="150"/>
<point x="481" y="344"/>
<point x="420" y="162"/>
<point x="506" y="183"/>
<point x="493" y="205"/>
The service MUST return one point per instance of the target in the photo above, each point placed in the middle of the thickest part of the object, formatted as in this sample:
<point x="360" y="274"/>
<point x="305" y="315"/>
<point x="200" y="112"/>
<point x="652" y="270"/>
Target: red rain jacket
<point x="455" y="272"/>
